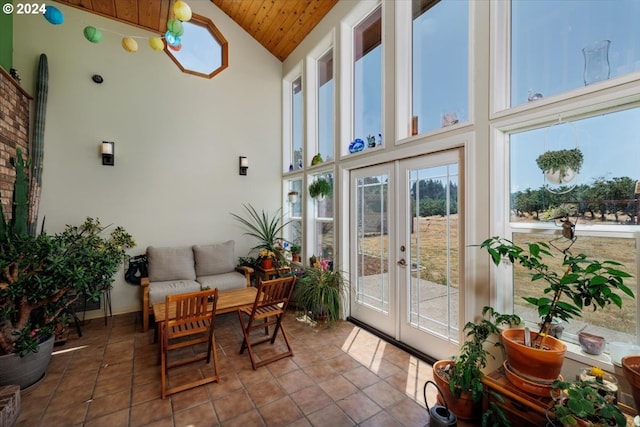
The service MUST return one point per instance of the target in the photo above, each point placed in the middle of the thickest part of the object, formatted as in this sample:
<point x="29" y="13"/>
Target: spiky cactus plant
<point x="37" y="142"/>
<point x="17" y="225"/>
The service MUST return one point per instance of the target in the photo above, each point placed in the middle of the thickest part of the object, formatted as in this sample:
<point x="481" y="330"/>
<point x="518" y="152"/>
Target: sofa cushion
<point x="214" y="259"/>
<point x="158" y="291"/>
<point x="170" y="263"/>
<point x="224" y="282"/>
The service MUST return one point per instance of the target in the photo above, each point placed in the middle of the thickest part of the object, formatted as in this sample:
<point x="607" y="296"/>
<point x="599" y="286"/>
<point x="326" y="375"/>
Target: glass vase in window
<point x="596" y="62"/>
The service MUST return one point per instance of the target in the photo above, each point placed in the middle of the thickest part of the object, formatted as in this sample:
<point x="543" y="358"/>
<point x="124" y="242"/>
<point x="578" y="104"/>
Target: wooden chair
<point x="192" y="325"/>
<point x="267" y="310"/>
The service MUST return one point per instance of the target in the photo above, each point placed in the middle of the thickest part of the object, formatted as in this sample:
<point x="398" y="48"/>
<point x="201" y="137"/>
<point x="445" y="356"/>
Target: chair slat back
<point x="274" y="292"/>
<point x="191" y="308"/>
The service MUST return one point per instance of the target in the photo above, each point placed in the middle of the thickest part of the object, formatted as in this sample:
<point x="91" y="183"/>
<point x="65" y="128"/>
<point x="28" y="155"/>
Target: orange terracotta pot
<point x="538" y="365"/>
<point x="267" y="263"/>
<point x="464" y="407"/>
<point x="631" y="371"/>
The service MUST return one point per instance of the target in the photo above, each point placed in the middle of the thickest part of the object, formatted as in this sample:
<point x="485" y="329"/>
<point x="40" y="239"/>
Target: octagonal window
<point x="203" y="50"/>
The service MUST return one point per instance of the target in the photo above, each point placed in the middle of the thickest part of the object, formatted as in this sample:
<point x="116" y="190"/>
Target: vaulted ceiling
<point x="278" y="25"/>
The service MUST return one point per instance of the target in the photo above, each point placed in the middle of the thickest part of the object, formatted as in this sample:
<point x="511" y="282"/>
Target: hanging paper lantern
<point x="175" y="27"/>
<point x="172" y="40"/>
<point x="176" y="47"/>
<point x="53" y="15"/>
<point x="129" y="44"/>
<point x="182" y="11"/>
<point x="92" y="34"/>
<point x="156" y="43"/>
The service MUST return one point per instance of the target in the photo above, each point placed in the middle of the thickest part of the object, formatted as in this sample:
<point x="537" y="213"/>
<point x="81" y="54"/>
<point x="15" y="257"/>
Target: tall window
<point x="323" y="235"/>
<point x="602" y="201"/>
<point x="293" y="211"/>
<point x="297" y="124"/>
<point x="325" y="106"/>
<point x="367" y="80"/>
<point x="440" y="64"/>
<point x="560" y="46"/>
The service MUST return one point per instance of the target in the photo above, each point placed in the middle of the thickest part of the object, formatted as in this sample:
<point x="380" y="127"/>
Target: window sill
<point x="575" y="353"/>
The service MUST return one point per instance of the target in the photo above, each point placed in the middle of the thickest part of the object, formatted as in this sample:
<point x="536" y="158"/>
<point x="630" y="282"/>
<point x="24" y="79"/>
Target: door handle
<point x="402" y="262"/>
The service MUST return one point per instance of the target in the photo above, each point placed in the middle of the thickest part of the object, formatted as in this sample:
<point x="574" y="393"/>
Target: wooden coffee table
<point x="227" y="301"/>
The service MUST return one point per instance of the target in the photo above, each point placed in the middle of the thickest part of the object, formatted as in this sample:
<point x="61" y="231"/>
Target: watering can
<point x="439" y="416"/>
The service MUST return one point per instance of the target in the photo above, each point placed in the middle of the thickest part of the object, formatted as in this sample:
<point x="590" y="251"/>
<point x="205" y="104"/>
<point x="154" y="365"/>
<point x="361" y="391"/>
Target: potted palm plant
<point x="320" y="292"/>
<point x="585" y="282"/>
<point x="460" y="378"/>
<point x="41" y="276"/>
<point x="267" y="229"/>
<point x="560" y="166"/>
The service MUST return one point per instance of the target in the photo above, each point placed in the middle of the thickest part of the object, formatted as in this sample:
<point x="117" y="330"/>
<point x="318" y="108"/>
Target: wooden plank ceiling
<point x="278" y="25"/>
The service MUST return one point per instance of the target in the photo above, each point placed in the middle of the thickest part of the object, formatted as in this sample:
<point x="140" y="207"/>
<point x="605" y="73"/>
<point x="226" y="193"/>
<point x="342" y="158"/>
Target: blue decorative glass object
<point x="291" y="168"/>
<point x="356" y="145"/>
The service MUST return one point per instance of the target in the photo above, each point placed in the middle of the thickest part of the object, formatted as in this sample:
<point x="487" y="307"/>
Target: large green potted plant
<point x="41" y="276"/>
<point x="460" y="378"/>
<point x="319" y="291"/>
<point x="560" y="166"/>
<point x="267" y="229"/>
<point x="583" y="283"/>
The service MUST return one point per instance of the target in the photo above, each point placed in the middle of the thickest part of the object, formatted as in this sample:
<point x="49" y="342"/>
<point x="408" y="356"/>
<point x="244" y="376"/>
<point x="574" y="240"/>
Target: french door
<point x="405" y="250"/>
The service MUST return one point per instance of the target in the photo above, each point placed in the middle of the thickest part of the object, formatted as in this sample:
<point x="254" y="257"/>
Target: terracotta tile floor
<point x="339" y="376"/>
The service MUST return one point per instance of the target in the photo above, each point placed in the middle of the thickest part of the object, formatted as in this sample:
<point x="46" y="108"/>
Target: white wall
<point x="177" y="136"/>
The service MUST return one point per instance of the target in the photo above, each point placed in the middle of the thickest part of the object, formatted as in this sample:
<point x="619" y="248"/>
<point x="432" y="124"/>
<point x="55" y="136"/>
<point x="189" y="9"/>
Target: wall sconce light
<point x="244" y="165"/>
<point x="107" y="149"/>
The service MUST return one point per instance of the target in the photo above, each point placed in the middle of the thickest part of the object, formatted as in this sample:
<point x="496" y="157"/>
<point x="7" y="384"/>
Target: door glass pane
<point x="372" y="286"/>
<point x="367" y="80"/>
<point x="548" y="38"/>
<point x="433" y="257"/>
<point x="440" y="64"/>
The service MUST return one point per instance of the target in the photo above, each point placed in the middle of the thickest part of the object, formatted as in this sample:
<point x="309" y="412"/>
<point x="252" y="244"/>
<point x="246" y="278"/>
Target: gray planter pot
<point x="27" y="370"/>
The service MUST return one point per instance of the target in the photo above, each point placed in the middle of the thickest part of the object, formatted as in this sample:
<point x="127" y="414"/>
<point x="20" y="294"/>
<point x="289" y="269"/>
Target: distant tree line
<point x="432" y="197"/>
<point x="615" y="196"/>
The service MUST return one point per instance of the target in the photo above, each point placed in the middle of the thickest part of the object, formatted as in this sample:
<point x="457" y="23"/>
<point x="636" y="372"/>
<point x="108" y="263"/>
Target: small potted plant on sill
<point x="584" y="283"/>
<point x="320" y="188"/>
<point x="580" y="403"/>
<point x="295" y="252"/>
<point x="460" y="378"/>
<point x="560" y="166"/>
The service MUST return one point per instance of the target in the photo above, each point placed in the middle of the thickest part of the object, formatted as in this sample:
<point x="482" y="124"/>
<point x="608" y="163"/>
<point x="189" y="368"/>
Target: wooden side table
<point x="270" y="273"/>
<point x="522" y="409"/>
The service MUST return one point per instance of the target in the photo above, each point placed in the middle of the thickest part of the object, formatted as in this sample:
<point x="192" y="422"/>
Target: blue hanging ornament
<point x="53" y="15"/>
<point x="172" y="39"/>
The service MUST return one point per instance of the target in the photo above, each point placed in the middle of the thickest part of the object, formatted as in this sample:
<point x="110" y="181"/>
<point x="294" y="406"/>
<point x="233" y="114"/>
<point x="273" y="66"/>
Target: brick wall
<point x="14" y="132"/>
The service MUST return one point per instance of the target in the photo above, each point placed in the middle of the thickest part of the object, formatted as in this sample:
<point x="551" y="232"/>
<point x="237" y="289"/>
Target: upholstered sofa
<point x="181" y="269"/>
